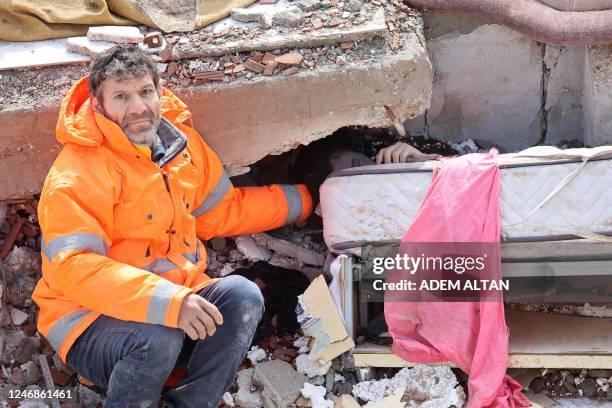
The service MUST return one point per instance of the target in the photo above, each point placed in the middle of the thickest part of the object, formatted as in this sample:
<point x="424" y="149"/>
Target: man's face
<point x="133" y="103"/>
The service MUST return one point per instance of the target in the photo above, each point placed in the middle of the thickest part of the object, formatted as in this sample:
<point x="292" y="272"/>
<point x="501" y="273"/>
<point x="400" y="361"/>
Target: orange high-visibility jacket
<point x="121" y="234"/>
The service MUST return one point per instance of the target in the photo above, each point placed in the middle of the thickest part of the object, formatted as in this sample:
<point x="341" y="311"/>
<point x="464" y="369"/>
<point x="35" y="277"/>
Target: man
<point x="122" y="212"/>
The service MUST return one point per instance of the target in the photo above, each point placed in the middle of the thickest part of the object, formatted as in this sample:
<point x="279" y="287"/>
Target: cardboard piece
<point x="321" y="320"/>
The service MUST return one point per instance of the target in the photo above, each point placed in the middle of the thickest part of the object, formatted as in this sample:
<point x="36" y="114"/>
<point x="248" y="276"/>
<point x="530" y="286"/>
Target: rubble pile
<point x="25" y="357"/>
<point x="185" y="59"/>
<point x="594" y="383"/>
<point x="305" y="17"/>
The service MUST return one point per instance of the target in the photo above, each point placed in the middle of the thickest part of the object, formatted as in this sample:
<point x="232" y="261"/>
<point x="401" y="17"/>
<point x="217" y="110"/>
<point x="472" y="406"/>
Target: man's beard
<point x="143" y="134"/>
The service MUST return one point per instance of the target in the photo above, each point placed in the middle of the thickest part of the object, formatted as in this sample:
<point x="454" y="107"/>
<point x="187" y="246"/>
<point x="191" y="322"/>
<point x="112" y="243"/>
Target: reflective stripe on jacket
<point x="121" y="233"/>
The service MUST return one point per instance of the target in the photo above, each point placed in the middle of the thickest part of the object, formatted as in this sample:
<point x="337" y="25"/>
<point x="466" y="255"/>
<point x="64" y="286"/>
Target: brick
<point x="254" y="66"/>
<point x="59" y="378"/>
<point x="115" y="34"/>
<point x="347" y="46"/>
<point x="238" y="68"/>
<point x="268" y="57"/>
<point x="270" y="66"/>
<point x="153" y="40"/>
<point x="292" y="58"/>
<point x="172" y="69"/>
<point x="208" y="75"/>
<point x="258" y="58"/>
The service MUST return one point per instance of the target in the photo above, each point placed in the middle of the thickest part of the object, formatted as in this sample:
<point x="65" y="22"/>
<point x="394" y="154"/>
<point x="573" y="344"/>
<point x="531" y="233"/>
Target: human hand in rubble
<point x="397" y="153"/>
<point x="198" y="317"/>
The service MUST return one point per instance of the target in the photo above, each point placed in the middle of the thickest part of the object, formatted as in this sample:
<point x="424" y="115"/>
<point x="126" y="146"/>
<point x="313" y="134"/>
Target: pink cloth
<point x="461" y="205"/>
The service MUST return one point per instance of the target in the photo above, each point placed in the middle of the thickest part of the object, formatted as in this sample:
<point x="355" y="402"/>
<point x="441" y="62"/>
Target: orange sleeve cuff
<point x="306" y="201"/>
<point x="172" y="314"/>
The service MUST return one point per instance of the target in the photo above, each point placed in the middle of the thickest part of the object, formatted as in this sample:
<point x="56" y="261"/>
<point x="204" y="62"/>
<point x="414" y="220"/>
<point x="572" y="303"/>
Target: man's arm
<point x="76" y="219"/>
<point x="225" y="210"/>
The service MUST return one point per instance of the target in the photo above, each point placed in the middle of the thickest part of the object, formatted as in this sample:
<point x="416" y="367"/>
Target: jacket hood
<point x="78" y="123"/>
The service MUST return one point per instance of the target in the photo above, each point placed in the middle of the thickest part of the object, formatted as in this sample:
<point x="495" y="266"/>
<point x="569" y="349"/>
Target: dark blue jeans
<point x="133" y="360"/>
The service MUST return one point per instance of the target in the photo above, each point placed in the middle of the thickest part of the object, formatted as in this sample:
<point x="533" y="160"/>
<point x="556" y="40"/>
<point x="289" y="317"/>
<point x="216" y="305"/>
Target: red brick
<point x="291" y="58"/>
<point x="59" y="378"/>
<point x="153" y="40"/>
<point x="270" y="66"/>
<point x="268" y="57"/>
<point x="291" y="71"/>
<point x="254" y="66"/>
<point x="347" y="46"/>
<point x="258" y="58"/>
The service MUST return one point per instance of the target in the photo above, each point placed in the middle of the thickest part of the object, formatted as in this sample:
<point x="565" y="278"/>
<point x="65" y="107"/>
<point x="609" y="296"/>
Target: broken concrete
<point x="256" y="354"/>
<point x="373" y="28"/>
<point x="115" y="34"/>
<point x="245" y="398"/>
<point x="281" y="383"/>
<point x="289" y="249"/>
<point x="316" y="395"/>
<point x="311" y="368"/>
<point x="425" y="386"/>
<point x="249" y="248"/>
<point x="86" y="46"/>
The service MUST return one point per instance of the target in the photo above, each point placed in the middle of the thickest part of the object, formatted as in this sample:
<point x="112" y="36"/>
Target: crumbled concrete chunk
<point x="85" y="46"/>
<point x="245" y="398"/>
<point x="281" y="383"/>
<point x="316" y="394"/>
<point x="256" y="354"/>
<point x="288" y="18"/>
<point x="115" y="34"/>
<point x="311" y="368"/>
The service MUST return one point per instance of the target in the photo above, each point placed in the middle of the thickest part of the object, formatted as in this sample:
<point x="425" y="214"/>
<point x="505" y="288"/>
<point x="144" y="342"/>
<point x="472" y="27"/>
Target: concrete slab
<point x="375" y="27"/>
<point x="243" y="121"/>
<point x="37" y="54"/>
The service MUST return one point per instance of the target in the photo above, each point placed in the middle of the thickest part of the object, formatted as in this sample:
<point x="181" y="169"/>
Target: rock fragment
<point x="281" y="383"/>
<point x="246" y="398"/>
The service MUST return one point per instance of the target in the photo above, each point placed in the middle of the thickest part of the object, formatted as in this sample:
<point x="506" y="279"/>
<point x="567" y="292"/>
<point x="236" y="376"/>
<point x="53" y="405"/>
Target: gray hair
<point x="123" y="60"/>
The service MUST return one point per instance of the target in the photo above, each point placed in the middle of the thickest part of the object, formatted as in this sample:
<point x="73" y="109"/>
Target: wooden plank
<point x="271" y="40"/>
<point x="537" y="340"/>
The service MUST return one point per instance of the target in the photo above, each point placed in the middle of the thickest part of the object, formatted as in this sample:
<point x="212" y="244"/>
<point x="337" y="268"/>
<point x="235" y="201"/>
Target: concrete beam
<point x="245" y="121"/>
<point x="597" y="97"/>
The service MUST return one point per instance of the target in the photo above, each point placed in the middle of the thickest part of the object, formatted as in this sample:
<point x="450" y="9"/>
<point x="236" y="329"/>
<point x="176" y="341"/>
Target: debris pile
<point x="594" y="383"/>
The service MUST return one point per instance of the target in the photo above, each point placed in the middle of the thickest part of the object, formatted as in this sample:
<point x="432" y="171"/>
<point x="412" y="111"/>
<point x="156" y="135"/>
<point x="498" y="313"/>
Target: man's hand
<point x="197" y="317"/>
<point x="397" y="153"/>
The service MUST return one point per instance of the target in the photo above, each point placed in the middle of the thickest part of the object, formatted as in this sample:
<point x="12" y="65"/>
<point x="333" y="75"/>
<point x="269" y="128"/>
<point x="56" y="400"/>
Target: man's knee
<point x="159" y="343"/>
<point x="246" y="297"/>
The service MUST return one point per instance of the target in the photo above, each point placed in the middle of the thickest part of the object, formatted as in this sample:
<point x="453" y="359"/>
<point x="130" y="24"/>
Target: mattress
<point x="545" y="194"/>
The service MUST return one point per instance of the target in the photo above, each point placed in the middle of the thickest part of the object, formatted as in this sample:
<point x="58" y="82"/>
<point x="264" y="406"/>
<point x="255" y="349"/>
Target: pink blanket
<point x="461" y="205"/>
